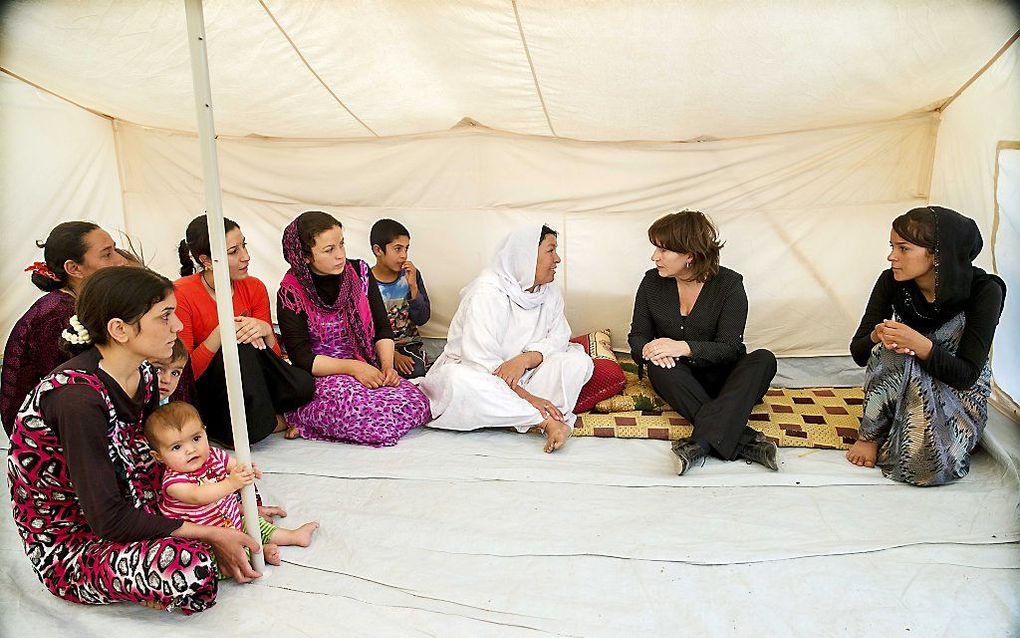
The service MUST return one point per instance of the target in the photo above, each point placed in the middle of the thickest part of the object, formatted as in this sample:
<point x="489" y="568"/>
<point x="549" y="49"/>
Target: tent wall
<point x="805" y="215"/>
<point x="57" y="162"/>
<point x="982" y="120"/>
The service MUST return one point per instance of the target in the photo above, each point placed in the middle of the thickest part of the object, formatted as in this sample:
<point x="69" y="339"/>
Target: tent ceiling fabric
<point x="602" y="71"/>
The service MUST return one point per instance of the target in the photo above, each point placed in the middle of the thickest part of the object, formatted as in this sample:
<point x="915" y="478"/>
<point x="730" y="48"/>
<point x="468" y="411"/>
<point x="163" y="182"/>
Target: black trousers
<point x="417" y="353"/>
<point x="270" y="385"/>
<point x="717" y="400"/>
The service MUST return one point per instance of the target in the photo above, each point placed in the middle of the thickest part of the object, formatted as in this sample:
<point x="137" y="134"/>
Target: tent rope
<point x="304" y="60"/>
<point x="531" y="64"/>
<point x="54" y="94"/>
<point x="980" y="72"/>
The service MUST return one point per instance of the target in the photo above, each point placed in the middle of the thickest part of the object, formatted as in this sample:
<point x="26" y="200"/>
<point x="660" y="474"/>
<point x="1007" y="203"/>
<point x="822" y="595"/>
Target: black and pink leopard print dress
<point x="71" y="560"/>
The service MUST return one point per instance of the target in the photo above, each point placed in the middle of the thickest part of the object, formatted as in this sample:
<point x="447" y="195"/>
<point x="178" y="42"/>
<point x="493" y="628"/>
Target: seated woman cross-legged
<point x="689" y="317"/>
<point x="270" y="385"/>
<point x="334" y="325"/>
<point x="925" y="338"/>
<point x="84" y="485"/>
<point x="508" y="361"/>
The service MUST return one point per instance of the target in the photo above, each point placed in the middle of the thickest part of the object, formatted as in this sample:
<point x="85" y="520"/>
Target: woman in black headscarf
<point x="925" y="337"/>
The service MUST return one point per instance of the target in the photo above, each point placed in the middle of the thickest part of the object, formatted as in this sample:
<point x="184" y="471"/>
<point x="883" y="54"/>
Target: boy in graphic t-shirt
<point x="403" y="293"/>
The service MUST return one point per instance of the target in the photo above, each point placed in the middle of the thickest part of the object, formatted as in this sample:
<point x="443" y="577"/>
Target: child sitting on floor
<point x="200" y="482"/>
<point x="170" y="371"/>
<point x="403" y="293"/>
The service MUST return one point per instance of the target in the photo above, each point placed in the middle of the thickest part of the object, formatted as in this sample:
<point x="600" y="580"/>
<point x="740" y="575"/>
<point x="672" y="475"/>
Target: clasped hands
<point x="511" y="371"/>
<point x="252" y="330"/>
<point x="664" y="352"/>
<point x="372" y="377"/>
<point x="901" y="338"/>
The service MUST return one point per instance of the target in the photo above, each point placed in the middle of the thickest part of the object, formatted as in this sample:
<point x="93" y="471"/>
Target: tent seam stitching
<point x="311" y="70"/>
<point x="531" y="65"/>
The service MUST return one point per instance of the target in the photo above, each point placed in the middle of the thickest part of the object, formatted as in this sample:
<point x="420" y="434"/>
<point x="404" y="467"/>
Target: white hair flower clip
<point x="80" y="336"/>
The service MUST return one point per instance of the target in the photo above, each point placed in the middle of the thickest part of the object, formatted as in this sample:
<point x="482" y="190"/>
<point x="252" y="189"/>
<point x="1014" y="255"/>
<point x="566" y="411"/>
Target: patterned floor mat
<point x="802" y="417"/>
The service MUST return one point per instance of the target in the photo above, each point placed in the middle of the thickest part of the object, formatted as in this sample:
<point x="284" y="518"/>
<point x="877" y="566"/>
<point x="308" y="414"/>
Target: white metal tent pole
<point x="218" y="246"/>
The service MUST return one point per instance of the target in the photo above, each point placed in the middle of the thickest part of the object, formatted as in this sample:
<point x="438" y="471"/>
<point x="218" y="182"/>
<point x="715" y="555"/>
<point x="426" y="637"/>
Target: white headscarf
<point x="514" y="266"/>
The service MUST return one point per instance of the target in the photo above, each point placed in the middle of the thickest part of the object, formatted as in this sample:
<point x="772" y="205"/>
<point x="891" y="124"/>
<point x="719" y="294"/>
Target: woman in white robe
<point x="508" y="360"/>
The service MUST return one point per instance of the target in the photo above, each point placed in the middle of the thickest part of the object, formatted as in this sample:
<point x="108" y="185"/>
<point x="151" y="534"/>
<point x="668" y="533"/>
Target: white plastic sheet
<point x="480" y="534"/>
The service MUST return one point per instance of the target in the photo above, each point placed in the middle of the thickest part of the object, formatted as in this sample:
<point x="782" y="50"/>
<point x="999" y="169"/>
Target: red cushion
<point x="607" y="381"/>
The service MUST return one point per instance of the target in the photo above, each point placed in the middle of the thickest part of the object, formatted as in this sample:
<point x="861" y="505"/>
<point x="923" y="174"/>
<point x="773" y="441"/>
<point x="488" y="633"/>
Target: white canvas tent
<point x="802" y="128"/>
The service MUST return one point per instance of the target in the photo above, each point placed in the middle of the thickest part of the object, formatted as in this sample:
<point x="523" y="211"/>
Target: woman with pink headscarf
<point x="334" y="325"/>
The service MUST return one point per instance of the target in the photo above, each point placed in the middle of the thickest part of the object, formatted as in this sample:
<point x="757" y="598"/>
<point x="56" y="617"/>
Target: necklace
<point x="212" y="289"/>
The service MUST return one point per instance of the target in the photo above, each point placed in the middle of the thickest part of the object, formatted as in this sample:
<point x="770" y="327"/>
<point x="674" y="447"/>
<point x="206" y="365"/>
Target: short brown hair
<point x="693" y="233"/>
<point x="179" y="353"/>
<point x="171" y="416"/>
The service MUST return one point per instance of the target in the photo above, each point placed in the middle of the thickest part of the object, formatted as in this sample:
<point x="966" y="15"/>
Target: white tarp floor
<point x="481" y="534"/>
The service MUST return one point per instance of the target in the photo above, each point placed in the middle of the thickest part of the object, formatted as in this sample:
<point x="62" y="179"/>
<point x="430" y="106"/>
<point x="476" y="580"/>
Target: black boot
<point x="688" y="452"/>
<point x="761" y="451"/>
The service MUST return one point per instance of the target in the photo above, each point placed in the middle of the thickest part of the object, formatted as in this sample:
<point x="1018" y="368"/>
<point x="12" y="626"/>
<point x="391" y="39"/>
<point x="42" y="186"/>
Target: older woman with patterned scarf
<point x="925" y="338"/>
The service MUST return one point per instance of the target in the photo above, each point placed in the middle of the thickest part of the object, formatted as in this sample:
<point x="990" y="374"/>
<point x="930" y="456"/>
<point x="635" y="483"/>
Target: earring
<point x="688" y="265"/>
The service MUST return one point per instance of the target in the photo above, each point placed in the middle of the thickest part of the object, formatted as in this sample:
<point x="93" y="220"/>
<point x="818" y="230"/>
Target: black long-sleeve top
<point x="714" y="329"/>
<point x="78" y="416"/>
<point x="294" y="325"/>
<point x="959" y="371"/>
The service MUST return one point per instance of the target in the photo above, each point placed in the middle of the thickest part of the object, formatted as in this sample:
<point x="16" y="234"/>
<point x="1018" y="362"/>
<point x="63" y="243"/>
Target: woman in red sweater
<point x="271" y="386"/>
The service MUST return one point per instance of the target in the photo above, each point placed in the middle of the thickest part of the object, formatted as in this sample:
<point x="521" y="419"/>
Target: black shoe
<point x="761" y="451"/>
<point x="688" y="452"/>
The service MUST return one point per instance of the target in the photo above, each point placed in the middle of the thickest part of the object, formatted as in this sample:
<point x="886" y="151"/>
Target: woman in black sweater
<point x="688" y="327"/>
<point x="925" y="338"/>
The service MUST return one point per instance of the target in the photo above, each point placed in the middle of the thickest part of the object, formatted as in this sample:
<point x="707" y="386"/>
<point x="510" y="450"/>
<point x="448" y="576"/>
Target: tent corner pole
<point x="218" y="246"/>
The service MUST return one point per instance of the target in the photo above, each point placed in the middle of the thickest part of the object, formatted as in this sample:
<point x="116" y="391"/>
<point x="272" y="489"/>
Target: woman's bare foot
<point x="863" y="453"/>
<point x="300" y="537"/>
<point x="292" y="433"/>
<point x="281" y="424"/>
<point x="271" y="552"/>
<point x="151" y="604"/>
<point x="556" y="434"/>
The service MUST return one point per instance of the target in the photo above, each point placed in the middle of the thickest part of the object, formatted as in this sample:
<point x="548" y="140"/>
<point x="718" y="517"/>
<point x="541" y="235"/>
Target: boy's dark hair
<point x="179" y="353"/>
<point x="385" y="231"/>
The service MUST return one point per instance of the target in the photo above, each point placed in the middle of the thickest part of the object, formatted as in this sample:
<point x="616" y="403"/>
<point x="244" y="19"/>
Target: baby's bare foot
<point x="303" y="535"/>
<point x="863" y="453"/>
<point x="271" y="552"/>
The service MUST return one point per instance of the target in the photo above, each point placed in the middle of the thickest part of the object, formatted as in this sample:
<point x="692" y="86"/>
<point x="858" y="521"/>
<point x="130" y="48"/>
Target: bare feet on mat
<point x="556" y="434"/>
<point x="292" y="433"/>
<point x="863" y="453"/>
<point x="151" y="604"/>
<point x="281" y="424"/>
<point x="271" y="552"/>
